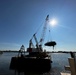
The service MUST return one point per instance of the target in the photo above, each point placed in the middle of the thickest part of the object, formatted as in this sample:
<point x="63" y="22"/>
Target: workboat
<point x="37" y="59"/>
<point x="33" y="62"/>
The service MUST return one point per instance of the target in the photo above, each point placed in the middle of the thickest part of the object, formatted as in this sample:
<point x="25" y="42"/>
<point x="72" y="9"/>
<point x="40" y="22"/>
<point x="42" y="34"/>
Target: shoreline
<point x="47" y="51"/>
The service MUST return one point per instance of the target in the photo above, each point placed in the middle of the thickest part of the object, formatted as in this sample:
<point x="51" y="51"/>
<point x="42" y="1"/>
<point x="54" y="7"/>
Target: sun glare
<point x="53" y="22"/>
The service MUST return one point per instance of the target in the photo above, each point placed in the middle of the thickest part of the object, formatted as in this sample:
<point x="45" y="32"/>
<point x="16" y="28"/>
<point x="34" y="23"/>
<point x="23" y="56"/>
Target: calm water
<point x="59" y="61"/>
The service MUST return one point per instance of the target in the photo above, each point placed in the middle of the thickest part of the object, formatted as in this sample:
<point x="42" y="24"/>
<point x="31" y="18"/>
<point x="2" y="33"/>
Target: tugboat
<point x="37" y="60"/>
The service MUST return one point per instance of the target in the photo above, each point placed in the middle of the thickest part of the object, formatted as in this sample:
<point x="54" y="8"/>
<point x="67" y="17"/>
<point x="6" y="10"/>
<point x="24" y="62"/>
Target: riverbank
<point x="47" y="51"/>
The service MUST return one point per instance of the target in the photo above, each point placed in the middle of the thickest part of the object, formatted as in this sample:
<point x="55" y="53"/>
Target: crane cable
<point x="49" y="36"/>
<point x="39" y="28"/>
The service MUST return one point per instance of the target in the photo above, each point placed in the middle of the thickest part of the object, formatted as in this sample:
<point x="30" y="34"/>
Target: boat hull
<point x="30" y="64"/>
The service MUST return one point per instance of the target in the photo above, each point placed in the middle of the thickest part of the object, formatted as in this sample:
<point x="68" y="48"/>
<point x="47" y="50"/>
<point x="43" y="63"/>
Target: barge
<point x="37" y="60"/>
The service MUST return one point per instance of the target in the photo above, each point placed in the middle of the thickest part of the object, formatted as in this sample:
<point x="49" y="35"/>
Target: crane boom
<point x="37" y="45"/>
<point x="44" y="29"/>
<point x="31" y="44"/>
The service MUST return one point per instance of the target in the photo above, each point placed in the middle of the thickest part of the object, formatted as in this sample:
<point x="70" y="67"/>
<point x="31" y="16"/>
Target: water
<point x="59" y="61"/>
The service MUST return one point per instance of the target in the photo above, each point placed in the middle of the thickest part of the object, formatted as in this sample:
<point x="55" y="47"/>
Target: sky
<point x="20" y="19"/>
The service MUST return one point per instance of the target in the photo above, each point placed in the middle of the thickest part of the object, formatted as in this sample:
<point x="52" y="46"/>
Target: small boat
<point x="51" y="43"/>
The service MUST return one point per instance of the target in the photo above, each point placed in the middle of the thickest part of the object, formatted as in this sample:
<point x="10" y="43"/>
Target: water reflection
<point x="32" y="73"/>
<point x="57" y="65"/>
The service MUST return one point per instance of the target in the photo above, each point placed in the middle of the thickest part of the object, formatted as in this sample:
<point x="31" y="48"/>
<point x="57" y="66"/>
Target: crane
<point x="40" y="42"/>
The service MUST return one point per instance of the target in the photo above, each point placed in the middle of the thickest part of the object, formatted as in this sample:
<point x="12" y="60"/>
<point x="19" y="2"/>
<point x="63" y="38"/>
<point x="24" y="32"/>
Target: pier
<point x="72" y="65"/>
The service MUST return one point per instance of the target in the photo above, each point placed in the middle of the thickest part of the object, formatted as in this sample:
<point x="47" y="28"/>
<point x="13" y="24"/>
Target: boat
<point x="51" y="43"/>
<point x="37" y="59"/>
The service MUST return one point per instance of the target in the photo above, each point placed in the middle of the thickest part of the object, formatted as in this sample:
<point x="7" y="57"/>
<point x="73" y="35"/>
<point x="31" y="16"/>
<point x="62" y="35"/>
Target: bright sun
<point x="53" y="22"/>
